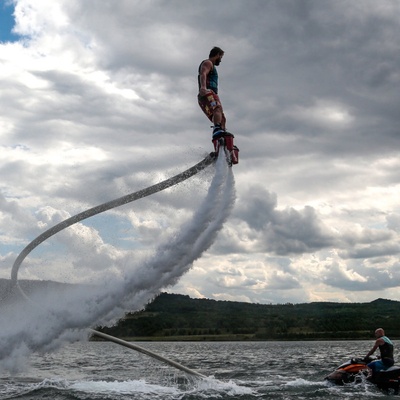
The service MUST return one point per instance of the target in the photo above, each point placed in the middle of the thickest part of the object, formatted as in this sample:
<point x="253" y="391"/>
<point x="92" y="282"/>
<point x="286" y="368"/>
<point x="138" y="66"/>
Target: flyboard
<point x="225" y="141"/>
<point x="97" y="210"/>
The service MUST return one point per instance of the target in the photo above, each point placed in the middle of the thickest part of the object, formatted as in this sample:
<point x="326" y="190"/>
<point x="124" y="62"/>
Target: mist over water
<point x="50" y="319"/>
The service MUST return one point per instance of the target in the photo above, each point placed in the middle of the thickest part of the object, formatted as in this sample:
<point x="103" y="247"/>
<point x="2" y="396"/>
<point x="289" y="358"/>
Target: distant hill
<point x="178" y="317"/>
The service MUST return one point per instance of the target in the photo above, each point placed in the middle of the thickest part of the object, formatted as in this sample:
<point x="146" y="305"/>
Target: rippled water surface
<point x="235" y="370"/>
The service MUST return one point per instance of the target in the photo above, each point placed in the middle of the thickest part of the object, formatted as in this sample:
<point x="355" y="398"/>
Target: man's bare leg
<point x="219" y="123"/>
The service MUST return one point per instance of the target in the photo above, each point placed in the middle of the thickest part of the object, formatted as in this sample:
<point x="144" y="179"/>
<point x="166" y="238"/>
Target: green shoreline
<point x="188" y="338"/>
<point x="178" y="318"/>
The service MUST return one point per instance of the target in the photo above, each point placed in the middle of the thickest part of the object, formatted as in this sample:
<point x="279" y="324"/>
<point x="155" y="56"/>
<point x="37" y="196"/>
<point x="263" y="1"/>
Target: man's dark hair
<point x="215" y="51"/>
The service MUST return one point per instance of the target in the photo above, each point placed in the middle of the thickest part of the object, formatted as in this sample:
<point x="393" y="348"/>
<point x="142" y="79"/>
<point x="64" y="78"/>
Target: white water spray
<point x="54" y="318"/>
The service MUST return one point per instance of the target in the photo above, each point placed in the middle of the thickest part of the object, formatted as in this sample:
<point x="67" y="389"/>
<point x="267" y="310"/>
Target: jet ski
<point x="352" y="370"/>
<point x="355" y="370"/>
<point x="388" y="379"/>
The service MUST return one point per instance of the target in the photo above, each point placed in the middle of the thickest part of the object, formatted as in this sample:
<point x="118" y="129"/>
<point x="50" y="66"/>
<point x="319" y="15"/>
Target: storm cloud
<point x="99" y="100"/>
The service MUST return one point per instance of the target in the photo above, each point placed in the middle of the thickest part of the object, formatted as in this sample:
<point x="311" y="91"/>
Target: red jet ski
<point x="356" y="371"/>
<point x="350" y="371"/>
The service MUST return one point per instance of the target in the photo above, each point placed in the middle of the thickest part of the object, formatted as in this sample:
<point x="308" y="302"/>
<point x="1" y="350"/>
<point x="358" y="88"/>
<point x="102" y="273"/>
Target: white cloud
<point x="98" y="100"/>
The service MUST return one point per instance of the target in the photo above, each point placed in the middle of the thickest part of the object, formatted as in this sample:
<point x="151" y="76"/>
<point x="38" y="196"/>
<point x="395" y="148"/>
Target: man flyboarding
<point x="210" y="103"/>
<point x="208" y="98"/>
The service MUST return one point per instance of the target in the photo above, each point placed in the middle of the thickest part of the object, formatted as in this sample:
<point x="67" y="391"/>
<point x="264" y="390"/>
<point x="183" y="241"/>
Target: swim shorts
<point x="209" y="103"/>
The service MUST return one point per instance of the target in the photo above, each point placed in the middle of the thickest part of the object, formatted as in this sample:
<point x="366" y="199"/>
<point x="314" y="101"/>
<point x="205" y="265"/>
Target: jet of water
<point x="47" y="320"/>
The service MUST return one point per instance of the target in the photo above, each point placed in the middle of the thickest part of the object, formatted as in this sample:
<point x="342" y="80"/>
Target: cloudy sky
<point x="98" y="99"/>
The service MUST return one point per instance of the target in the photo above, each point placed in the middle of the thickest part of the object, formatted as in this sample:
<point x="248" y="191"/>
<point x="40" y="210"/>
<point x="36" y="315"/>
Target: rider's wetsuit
<point x="386" y="350"/>
<point x="386" y="360"/>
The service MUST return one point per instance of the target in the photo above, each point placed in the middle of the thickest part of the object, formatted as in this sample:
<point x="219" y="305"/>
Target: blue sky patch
<point x="7" y="23"/>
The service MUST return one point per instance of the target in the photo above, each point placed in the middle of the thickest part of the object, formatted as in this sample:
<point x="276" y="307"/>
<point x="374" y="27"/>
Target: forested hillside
<point x="178" y="317"/>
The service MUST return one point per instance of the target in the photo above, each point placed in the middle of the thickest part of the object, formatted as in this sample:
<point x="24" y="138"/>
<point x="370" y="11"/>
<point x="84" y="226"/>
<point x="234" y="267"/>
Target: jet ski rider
<point x="386" y="348"/>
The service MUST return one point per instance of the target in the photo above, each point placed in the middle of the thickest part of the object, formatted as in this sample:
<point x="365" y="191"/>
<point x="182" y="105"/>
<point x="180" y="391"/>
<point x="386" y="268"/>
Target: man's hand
<point x="204" y="92"/>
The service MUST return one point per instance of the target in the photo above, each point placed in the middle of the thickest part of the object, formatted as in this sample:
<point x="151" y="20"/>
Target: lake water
<point x="235" y="370"/>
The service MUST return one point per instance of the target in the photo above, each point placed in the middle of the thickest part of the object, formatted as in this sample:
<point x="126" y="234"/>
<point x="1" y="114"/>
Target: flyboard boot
<point x="224" y="139"/>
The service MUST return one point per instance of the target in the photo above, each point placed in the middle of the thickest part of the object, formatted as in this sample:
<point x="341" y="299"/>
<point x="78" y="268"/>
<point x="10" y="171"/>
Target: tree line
<point x="179" y="317"/>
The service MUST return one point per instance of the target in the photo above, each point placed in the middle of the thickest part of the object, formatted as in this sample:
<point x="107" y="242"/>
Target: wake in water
<point x="97" y="389"/>
<point x="51" y="319"/>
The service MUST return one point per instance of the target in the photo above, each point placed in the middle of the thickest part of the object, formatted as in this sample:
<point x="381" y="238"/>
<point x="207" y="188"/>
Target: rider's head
<point x="216" y="55"/>
<point x="379" y="333"/>
<point x="216" y="51"/>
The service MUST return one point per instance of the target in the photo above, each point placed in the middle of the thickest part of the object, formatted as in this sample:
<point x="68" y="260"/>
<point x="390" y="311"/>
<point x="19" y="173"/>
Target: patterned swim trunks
<point x="209" y="103"/>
